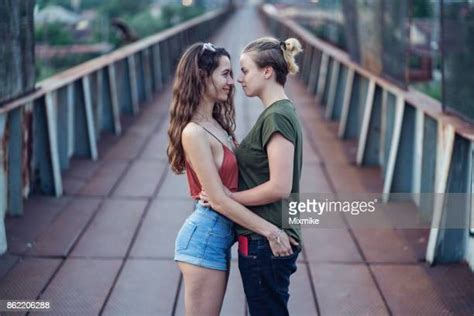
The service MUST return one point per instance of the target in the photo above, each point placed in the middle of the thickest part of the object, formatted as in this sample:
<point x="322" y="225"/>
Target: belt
<point x="254" y="237"/>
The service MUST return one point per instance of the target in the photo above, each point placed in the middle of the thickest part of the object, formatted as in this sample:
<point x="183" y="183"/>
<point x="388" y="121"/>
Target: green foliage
<point x="91" y="4"/>
<point x="122" y="8"/>
<point x="173" y="14"/>
<point x="43" y="71"/>
<point x="135" y="13"/>
<point x="63" y="3"/>
<point x="432" y="88"/>
<point x="48" y="68"/>
<point x="53" y="34"/>
<point x="144" y="24"/>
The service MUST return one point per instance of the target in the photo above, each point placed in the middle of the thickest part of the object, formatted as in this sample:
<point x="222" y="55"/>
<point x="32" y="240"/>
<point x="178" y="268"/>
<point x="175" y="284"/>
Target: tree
<point x="16" y="48"/>
<point x="17" y="75"/>
<point x="54" y="34"/>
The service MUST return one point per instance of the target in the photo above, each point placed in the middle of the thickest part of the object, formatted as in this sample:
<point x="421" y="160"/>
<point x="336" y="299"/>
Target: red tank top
<point x="228" y="172"/>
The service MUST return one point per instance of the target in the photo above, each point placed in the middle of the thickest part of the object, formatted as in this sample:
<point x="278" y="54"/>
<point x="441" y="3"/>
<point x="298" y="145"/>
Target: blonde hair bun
<point x="291" y="49"/>
<point x="293" y="45"/>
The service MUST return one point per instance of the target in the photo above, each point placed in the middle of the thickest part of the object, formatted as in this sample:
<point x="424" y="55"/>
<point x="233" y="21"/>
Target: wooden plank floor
<point x="106" y="247"/>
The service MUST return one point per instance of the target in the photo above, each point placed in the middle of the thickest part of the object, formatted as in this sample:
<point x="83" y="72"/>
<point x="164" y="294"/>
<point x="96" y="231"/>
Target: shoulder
<point x="192" y="132"/>
<point x="279" y="115"/>
<point x="283" y="119"/>
<point x="281" y="109"/>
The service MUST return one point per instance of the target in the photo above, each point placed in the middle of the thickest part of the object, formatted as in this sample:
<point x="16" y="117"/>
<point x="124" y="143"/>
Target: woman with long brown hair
<point x="202" y="143"/>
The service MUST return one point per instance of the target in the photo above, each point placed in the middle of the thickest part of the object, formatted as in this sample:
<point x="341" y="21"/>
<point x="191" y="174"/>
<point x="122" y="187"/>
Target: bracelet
<point x="277" y="237"/>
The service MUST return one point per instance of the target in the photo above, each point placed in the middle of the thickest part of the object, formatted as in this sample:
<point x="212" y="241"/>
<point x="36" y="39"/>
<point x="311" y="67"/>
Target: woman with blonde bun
<point x="270" y="161"/>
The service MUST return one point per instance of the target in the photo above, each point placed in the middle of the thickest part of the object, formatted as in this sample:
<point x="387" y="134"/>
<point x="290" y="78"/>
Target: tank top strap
<point x="212" y="134"/>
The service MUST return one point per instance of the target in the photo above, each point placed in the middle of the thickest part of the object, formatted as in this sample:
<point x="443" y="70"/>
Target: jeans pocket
<point x="296" y="251"/>
<point x="285" y="258"/>
<point x="185" y="234"/>
<point x="283" y="268"/>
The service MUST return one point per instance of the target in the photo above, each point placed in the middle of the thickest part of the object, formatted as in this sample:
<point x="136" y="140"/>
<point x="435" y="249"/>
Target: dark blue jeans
<point x="266" y="278"/>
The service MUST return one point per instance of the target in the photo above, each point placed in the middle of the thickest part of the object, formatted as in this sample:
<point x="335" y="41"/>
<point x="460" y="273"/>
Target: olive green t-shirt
<point x="279" y="117"/>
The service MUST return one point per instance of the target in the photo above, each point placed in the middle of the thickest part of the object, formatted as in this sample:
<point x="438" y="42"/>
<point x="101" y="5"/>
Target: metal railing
<point x="418" y="147"/>
<point x="67" y="113"/>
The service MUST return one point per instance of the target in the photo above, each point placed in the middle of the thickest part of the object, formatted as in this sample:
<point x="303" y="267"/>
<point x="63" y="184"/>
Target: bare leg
<point x="204" y="289"/>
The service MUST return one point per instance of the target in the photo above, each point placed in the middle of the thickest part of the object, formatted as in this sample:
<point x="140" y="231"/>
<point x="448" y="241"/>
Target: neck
<point x="204" y="112"/>
<point x="271" y="94"/>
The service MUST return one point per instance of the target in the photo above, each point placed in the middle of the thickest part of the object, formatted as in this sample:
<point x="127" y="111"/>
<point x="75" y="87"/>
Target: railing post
<point x="332" y="89"/>
<point x="308" y="52"/>
<point x="99" y="105"/>
<point x="315" y="63"/>
<point x="392" y="159"/>
<point x="3" y="182"/>
<point x="165" y="61"/>
<point x="70" y="119"/>
<point x="175" y="51"/>
<point x="132" y="72"/>
<point x="158" y="72"/>
<point x="471" y="192"/>
<point x="445" y="146"/>
<point x="365" y="122"/>
<point x="323" y="70"/>
<point x="89" y="118"/>
<point x="418" y="163"/>
<point x="51" y="121"/>
<point x="346" y="103"/>
<point x="147" y="74"/>
<point x="383" y="128"/>
<point x="114" y="99"/>
<point x="62" y="97"/>
<point x="15" y="150"/>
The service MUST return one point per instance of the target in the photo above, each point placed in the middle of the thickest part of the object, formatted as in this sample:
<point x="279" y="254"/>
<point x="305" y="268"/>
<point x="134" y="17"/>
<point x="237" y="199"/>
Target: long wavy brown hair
<point x="194" y="69"/>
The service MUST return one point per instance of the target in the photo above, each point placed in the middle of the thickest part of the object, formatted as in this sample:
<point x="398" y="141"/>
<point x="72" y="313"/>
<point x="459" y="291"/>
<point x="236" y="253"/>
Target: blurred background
<point x="424" y="44"/>
<point x="69" y="32"/>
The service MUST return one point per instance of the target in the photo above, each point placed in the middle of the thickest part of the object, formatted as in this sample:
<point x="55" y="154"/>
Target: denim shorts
<point x="205" y="239"/>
